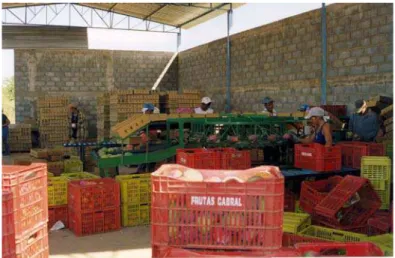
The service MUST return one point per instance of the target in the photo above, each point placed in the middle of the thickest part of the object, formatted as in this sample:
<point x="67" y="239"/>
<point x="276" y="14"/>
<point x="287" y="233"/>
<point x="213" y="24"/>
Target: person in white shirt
<point x="269" y="106"/>
<point x="204" y="107"/>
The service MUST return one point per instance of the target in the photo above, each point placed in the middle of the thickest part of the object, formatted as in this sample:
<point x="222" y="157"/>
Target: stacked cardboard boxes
<point x="126" y="103"/>
<point x="20" y="139"/>
<point x="174" y="100"/>
<point x="52" y="119"/>
<point x="103" y="117"/>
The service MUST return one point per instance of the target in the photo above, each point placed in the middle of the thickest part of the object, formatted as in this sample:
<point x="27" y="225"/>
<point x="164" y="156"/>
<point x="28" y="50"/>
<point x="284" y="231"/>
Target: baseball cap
<point x="315" y="111"/>
<point x="360" y="105"/>
<point x="206" y="100"/>
<point x="148" y="106"/>
<point x="304" y="107"/>
<point x="267" y="100"/>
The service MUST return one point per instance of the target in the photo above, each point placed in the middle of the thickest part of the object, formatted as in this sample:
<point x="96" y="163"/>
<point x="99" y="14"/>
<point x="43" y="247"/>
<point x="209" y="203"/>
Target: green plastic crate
<point x="385" y="242"/>
<point x="332" y="234"/>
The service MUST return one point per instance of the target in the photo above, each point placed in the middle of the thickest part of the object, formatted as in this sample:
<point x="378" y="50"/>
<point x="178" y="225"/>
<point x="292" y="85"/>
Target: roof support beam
<point x="203" y="14"/>
<point x="155" y="11"/>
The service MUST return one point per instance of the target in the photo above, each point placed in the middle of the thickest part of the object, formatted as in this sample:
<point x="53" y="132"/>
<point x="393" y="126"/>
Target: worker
<point x="148" y="108"/>
<point x="77" y="126"/>
<point x="205" y="107"/>
<point x="269" y="106"/>
<point x="364" y="124"/>
<point x="6" y="146"/>
<point x="322" y="131"/>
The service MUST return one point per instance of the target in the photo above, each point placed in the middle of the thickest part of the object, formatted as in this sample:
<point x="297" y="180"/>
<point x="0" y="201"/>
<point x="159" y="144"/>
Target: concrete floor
<point x="128" y="242"/>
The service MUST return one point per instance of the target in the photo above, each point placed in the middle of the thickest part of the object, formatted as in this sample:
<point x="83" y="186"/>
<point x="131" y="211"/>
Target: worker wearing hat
<point x="205" y="107"/>
<point x="322" y="132"/>
<point x="77" y="124"/>
<point x="149" y="108"/>
<point x="269" y="106"/>
<point x="364" y="123"/>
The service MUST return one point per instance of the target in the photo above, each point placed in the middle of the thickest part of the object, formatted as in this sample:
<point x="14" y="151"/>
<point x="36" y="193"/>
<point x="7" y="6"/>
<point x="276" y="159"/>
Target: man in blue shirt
<point x="364" y="124"/>
<point x="6" y="147"/>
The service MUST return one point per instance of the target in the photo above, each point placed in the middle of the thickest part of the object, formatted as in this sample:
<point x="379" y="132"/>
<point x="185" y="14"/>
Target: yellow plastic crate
<point x="73" y="166"/>
<point x="135" y="214"/>
<point x="49" y="174"/>
<point x="298" y="209"/>
<point x="332" y="234"/>
<point x="295" y="222"/>
<point x="57" y="190"/>
<point x="378" y="171"/>
<point x="135" y="189"/>
<point x="385" y="242"/>
<point x="79" y="176"/>
<point x="376" y="168"/>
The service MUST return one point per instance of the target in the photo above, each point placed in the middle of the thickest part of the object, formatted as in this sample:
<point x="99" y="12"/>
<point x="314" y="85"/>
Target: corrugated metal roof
<point x="180" y="15"/>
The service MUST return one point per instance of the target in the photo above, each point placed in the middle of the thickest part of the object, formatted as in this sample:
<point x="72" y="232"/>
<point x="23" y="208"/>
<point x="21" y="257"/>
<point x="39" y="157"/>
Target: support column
<point x="324" y="53"/>
<point x="228" y="75"/>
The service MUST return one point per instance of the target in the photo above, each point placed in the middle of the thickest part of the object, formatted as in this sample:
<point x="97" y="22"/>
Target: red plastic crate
<point x="352" y="152"/>
<point x="290" y="240"/>
<point x="210" y="215"/>
<point x="312" y="193"/>
<point x="179" y="253"/>
<point x="332" y="210"/>
<point x="215" y="158"/>
<point x="92" y="222"/>
<point x="289" y="201"/>
<point x="58" y="213"/>
<point x="93" y="194"/>
<point x="29" y="203"/>
<point x="336" y="110"/>
<point x="199" y="158"/>
<point x="34" y="244"/>
<point x="8" y="236"/>
<point x="340" y="249"/>
<point x="317" y="157"/>
<point x="380" y="223"/>
<point x="233" y="159"/>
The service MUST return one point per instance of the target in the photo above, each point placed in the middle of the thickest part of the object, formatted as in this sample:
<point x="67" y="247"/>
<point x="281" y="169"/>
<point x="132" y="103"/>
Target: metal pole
<point x="228" y="75"/>
<point x="323" y="48"/>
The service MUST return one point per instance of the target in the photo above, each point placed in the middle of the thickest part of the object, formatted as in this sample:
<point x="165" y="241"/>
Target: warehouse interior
<point x="328" y="58"/>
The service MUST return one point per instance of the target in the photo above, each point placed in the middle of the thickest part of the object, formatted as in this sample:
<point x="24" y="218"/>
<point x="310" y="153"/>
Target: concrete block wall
<point x="83" y="75"/>
<point x="283" y="60"/>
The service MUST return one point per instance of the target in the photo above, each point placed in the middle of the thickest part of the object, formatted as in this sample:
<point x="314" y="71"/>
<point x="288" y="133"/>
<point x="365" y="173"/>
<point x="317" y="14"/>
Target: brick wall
<point x="283" y="60"/>
<point x="83" y="74"/>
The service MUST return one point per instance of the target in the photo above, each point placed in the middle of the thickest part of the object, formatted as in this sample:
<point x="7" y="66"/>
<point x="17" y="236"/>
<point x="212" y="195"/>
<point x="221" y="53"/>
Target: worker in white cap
<point x="77" y="124"/>
<point x="322" y="131"/>
<point x="269" y="106"/>
<point x="204" y="107"/>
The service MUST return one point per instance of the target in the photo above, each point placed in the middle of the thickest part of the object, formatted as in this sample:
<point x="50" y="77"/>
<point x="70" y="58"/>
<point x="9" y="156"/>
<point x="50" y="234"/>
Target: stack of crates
<point x="103" y="117"/>
<point x="20" y="139"/>
<point x="135" y="199"/>
<point x="124" y="104"/>
<point x="25" y="211"/>
<point x="173" y="100"/>
<point x="378" y="171"/>
<point x="53" y="120"/>
<point x="93" y="206"/>
<point x="57" y="200"/>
